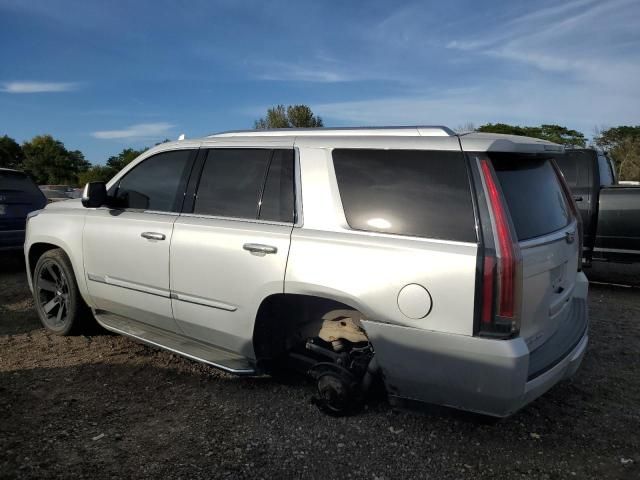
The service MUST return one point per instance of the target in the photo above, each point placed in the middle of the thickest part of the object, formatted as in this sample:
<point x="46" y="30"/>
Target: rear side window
<point x="277" y="198"/>
<point x="231" y="182"/>
<point x="157" y="183"/>
<point x="576" y="166"/>
<point x="533" y="193"/>
<point x="568" y="164"/>
<point x="407" y="192"/>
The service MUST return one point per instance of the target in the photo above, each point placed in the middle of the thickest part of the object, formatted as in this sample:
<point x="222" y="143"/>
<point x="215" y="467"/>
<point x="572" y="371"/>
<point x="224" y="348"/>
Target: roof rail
<point x="422" y="131"/>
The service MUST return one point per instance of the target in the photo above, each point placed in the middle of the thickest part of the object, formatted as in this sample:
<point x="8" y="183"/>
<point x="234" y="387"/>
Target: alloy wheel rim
<point x="53" y="294"/>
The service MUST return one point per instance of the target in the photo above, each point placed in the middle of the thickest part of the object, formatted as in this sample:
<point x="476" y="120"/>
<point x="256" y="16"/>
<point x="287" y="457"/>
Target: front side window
<point x="408" y="192"/>
<point x="157" y="183"/>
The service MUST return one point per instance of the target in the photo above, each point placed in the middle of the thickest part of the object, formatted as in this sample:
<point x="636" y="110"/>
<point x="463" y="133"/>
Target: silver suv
<point x="445" y="265"/>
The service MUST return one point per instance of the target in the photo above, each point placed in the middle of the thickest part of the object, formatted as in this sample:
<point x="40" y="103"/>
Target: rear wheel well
<point x="285" y="319"/>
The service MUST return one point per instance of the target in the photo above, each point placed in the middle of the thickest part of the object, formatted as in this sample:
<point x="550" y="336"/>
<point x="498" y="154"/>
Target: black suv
<point x="19" y="195"/>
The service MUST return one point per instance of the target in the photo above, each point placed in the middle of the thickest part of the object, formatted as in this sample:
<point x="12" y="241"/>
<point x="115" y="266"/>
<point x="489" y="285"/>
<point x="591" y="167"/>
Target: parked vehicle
<point x="610" y="210"/>
<point x="19" y="195"/>
<point x="448" y="265"/>
<point x="57" y="193"/>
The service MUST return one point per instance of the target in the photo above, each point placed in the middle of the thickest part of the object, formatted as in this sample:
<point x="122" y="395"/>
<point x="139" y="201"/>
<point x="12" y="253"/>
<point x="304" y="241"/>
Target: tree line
<point x="622" y="142"/>
<point x="48" y="161"/>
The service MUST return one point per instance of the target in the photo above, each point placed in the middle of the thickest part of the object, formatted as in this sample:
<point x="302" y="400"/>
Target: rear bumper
<point x="470" y="373"/>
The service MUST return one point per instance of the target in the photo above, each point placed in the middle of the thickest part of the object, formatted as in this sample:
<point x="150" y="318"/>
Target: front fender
<point x="60" y="229"/>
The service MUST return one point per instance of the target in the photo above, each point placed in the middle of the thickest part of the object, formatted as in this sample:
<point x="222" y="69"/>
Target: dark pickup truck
<point x="610" y="211"/>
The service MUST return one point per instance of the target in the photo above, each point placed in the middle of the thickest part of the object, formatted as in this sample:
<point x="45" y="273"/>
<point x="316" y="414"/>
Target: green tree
<point x="552" y="133"/>
<point x="96" y="173"/>
<point x="293" y="116"/>
<point x="124" y="158"/>
<point x="49" y="162"/>
<point x="11" y="154"/>
<point x="623" y="144"/>
<point x="610" y="138"/>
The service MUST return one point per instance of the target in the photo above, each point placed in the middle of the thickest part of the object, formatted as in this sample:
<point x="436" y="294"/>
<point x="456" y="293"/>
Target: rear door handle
<point x="260" y="248"/>
<point x="578" y="198"/>
<point x="153" y="235"/>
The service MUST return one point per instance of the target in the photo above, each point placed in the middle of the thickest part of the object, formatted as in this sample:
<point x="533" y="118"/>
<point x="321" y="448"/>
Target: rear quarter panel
<point x="367" y="270"/>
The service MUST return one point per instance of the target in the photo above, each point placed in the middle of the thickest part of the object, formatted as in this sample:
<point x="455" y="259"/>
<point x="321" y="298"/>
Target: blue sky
<point x="101" y="76"/>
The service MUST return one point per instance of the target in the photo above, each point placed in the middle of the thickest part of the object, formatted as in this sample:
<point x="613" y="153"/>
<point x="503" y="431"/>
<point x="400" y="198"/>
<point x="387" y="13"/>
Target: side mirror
<point x="94" y="194"/>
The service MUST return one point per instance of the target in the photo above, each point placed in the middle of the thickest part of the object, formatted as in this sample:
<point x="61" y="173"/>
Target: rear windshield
<point x="18" y="182"/>
<point x="407" y="192"/>
<point x="533" y="193"/>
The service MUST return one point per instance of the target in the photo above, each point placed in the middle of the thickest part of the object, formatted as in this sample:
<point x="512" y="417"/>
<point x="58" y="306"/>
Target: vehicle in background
<point x="57" y="193"/>
<point x="628" y="182"/>
<point x="610" y="210"/>
<point x="19" y="196"/>
<point x="446" y="266"/>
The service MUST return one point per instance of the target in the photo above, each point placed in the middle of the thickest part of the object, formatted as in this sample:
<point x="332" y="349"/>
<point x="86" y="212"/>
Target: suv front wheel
<point x="58" y="301"/>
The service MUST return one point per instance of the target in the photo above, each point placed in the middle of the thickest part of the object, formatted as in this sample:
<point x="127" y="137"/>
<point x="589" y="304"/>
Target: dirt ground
<point x="107" y="407"/>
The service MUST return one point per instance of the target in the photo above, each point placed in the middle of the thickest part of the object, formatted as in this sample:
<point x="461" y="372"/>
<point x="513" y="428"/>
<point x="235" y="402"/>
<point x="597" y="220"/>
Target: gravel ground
<point x="107" y="407"/>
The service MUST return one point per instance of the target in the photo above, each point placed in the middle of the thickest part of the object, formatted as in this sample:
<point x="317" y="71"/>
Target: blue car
<point x="19" y="195"/>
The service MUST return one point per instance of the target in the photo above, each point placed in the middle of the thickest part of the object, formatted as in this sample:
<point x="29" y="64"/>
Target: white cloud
<point x="293" y="72"/>
<point x="141" y="131"/>
<point x="37" y="87"/>
<point x="319" y="69"/>
<point x="528" y="102"/>
<point x="579" y="38"/>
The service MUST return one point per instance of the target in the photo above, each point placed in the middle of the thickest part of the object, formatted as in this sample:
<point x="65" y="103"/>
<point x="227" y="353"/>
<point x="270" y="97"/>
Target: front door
<point x="231" y="252"/>
<point x="126" y="245"/>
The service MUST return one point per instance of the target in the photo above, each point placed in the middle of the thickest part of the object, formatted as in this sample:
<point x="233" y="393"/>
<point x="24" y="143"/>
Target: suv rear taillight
<point x="502" y="266"/>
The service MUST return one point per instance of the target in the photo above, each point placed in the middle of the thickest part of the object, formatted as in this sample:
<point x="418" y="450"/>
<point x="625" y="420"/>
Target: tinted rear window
<point x="231" y="182"/>
<point x="569" y="166"/>
<point x="18" y="182"/>
<point x="533" y="194"/>
<point x="277" y="197"/>
<point x="407" y="192"/>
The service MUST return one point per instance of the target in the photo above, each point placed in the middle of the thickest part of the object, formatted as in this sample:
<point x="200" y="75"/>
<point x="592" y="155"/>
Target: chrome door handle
<point x="259" y="248"/>
<point x="153" y="235"/>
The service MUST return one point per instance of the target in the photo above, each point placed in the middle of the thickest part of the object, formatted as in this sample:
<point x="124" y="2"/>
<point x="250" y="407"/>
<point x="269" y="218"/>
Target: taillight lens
<point x="502" y="276"/>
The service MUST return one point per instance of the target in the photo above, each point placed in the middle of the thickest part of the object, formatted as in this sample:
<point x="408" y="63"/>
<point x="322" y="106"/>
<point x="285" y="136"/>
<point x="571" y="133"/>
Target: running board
<point x="192" y="349"/>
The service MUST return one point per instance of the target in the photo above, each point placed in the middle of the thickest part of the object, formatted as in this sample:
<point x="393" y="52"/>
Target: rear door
<point x="19" y="195"/>
<point x="548" y="238"/>
<point x="229" y="250"/>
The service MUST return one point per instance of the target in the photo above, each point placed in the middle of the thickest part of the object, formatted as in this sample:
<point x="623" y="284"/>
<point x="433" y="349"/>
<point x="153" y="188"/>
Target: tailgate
<point x="549" y="270"/>
<point x="546" y="226"/>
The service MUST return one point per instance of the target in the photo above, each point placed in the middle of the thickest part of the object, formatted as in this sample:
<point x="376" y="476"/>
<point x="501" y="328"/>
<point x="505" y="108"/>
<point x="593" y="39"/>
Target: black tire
<point x="59" y="304"/>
